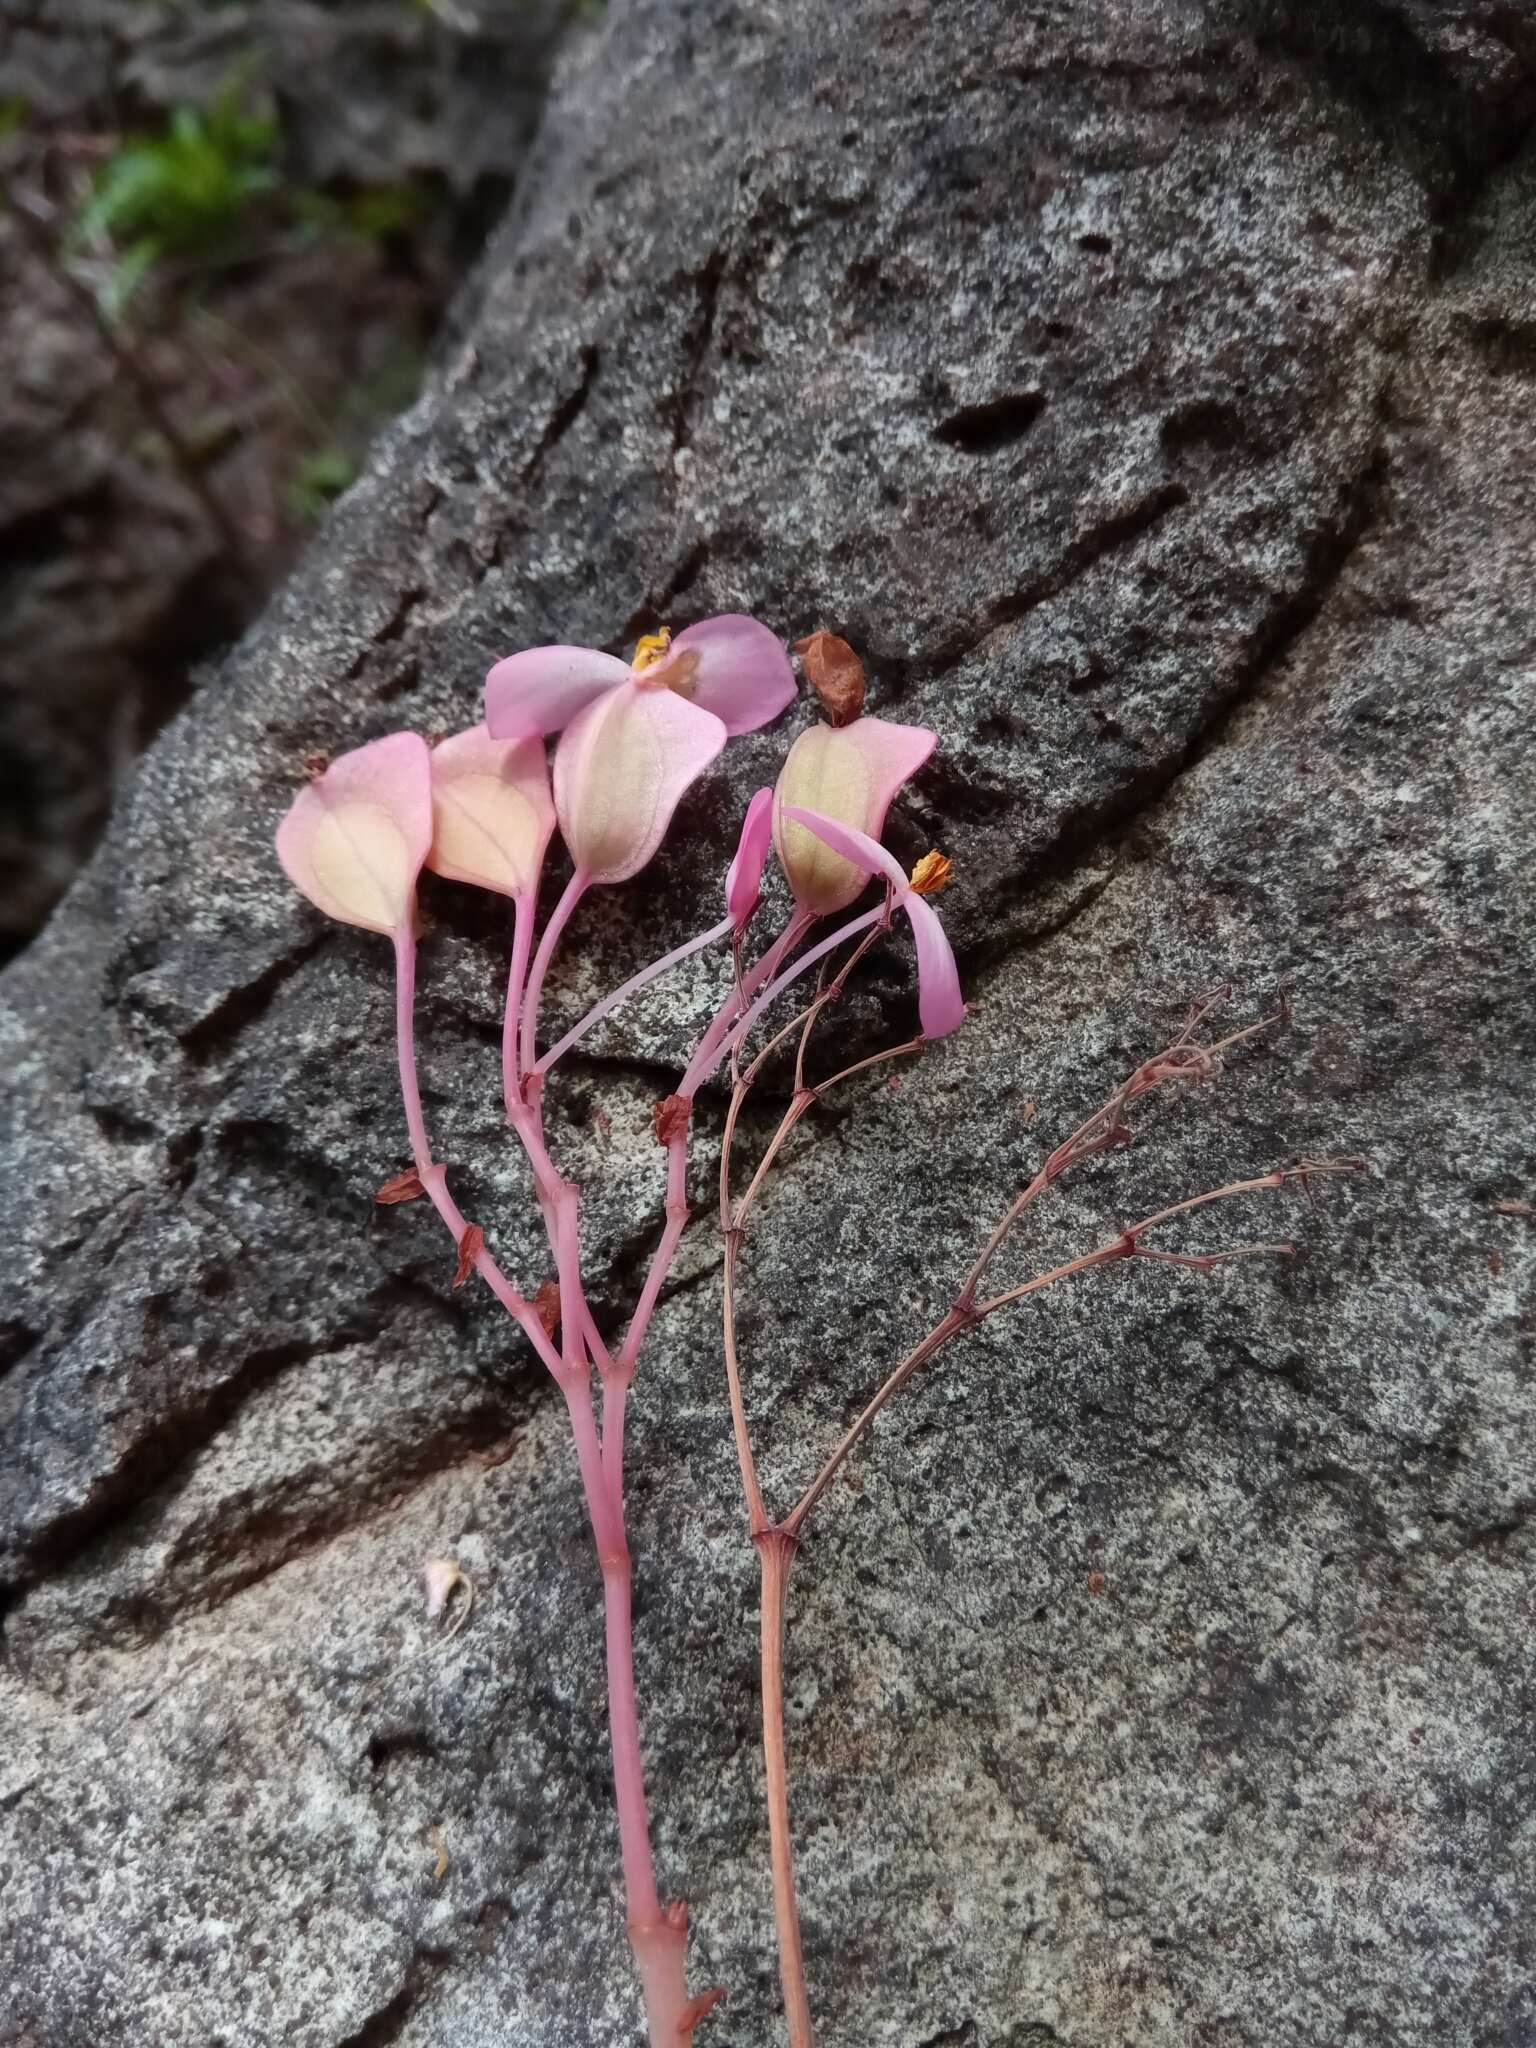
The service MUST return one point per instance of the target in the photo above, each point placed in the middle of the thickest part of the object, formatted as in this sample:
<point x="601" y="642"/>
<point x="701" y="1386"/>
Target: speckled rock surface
<point x="1148" y="391"/>
<point x="117" y="578"/>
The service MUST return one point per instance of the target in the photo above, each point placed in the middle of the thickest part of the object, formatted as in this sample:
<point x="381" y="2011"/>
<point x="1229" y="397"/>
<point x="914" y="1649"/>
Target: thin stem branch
<point x="677" y="1211"/>
<point x="1126" y="1245"/>
<point x="874" y="1059"/>
<point x="1104" y="1130"/>
<point x="732" y="1223"/>
<point x="433" y="1177"/>
<point x="757" y="1517"/>
<point x="776" y="1552"/>
<point x="661" y="1259"/>
<point x="707" y="1058"/>
<point x="813" y="1010"/>
<point x="626" y="989"/>
<point x="559" y="918"/>
<point x="917" y="1357"/>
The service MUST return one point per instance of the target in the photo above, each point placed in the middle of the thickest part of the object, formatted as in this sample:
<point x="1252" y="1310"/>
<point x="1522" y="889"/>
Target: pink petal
<point x="541" y="690"/>
<point x="940" y="1005"/>
<point x="492" y="811"/>
<point x="849" y="773"/>
<point x="731" y="666"/>
<point x="621" y="768"/>
<point x="353" y="842"/>
<point x="866" y="854"/>
<point x="743" y="881"/>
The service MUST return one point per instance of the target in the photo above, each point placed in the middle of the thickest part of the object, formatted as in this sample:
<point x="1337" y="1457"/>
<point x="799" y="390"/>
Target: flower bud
<point x="848" y="773"/>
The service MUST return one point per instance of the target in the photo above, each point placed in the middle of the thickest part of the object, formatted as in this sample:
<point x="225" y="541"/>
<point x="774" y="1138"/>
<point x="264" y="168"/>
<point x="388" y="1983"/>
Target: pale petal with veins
<point x="492" y="811"/>
<point x="354" y="840"/>
<point x="849" y="773"/>
<point x="621" y="768"/>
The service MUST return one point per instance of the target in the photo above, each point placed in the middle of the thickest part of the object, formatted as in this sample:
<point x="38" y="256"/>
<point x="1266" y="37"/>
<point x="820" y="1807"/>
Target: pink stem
<point x="573" y="1325"/>
<point x="615" y="1394"/>
<point x="658" y="1940"/>
<point x="434" y="1178"/>
<point x="677" y="1148"/>
<point x="405" y="1046"/>
<point x="708" y="1056"/>
<point x="661" y="1260"/>
<point x="522" y="938"/>
<point x="560" y="1200"/>
<point x="559" y="918"/>
<point x="625" y="990"/>
<point x="558" y="1197"/>
<point x="747" y="987"/>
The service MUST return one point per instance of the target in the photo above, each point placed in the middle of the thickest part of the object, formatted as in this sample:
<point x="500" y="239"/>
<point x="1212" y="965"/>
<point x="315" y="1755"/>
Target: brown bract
<point x="405" y="1187"/>
<point x="670" y="1118"/>
<point x="933" y="872"/>
<point x="701" y="2007"/>
<point x="471" y="1245"/>
<point x="835" y="673"/>
<point x="546" y="1306"/>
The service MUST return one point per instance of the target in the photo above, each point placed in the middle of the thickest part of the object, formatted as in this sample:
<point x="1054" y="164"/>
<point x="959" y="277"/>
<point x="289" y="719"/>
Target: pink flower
<point x="492" y="814"/>
<point x="355" y="839"/>
<point x="634" y="738"/>
<point x="848" y="773"/>
<point x="730" y="666"/>
<point x="941" y="1008"/>
<point x="744" y="877"/>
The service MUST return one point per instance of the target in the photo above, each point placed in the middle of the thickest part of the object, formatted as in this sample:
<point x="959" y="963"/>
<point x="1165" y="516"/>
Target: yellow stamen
<point x="650" y="649"/>
<point x="932" y="873"/>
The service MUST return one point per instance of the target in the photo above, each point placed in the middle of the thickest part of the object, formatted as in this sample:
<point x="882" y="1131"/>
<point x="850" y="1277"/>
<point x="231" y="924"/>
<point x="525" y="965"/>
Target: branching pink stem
<point x="658" y="1938"/>
<point x="629" y="988"/>
<point x="711" y="1051"/>
<point x="559" y="918"/>
<point x="434" y="1178"/>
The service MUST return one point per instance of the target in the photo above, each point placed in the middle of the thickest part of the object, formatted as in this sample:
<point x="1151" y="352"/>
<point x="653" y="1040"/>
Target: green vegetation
<point x="319" y="478"/>
<point x="211" y="188"/>
<point x="188" y="187"/>
<point x="192" y="187"/>
<point x="371" y="215"/>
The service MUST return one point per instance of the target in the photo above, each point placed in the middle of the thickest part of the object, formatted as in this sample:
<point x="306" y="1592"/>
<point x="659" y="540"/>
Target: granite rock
<point x="1146" y="391"/>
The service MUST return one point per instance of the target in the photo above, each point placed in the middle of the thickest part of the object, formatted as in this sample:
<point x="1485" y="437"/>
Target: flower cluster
<point x="483" y="807"/>
<point x="633" y="738"/>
